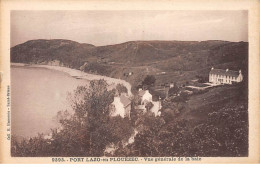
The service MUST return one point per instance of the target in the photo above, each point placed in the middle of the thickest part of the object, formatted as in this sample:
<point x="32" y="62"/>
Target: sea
<point x="37" y="95"/>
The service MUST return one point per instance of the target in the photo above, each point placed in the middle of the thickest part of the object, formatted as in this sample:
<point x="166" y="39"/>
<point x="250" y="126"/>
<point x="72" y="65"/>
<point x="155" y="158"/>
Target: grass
<point x="199" y="105"/>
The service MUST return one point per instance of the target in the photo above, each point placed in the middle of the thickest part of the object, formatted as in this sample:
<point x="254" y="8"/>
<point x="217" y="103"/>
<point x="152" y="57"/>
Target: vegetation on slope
<point x="224" y="133"/>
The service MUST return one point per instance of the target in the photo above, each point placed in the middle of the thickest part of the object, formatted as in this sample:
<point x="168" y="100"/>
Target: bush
<point x="202" y="79"/>
<point x="149" y="81"/>
<point x="121" y="89"/>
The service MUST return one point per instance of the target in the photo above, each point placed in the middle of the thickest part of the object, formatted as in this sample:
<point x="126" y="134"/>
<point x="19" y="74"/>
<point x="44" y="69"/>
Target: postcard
<point x="99" y="82"/>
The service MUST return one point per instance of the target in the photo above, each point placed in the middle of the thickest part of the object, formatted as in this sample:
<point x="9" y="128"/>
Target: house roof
<point x="224" y="72"/>
<point x="125" y="100"/>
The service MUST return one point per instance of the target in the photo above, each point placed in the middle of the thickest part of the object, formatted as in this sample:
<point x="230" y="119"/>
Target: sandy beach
<point x="80" y="74"/>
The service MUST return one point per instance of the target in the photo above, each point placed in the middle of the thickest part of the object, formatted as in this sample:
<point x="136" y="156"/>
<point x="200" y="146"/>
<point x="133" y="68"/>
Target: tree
<point x="202" y="79"/>
<point x="148" y="106"/>
<point x="92" y="119"/>
<point x="121" y="89"/>
<point x="173" y="91"/>
<point x="145" y="142"/>
<point x="92" y="101"/>
<point x="149" y="81"/>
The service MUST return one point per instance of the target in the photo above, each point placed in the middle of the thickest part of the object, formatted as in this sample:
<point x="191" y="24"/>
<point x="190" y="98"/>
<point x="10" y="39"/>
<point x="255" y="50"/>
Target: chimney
<point x="227" y="70"/>
<point x="212" y="68"/>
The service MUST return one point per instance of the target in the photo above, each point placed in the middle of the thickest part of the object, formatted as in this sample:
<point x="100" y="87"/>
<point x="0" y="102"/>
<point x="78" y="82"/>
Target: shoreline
<point x="79" y="74"/>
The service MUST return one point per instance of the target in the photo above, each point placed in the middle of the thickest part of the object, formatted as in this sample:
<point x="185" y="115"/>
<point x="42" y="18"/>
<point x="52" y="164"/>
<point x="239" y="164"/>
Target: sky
<point x="114" y="27"/>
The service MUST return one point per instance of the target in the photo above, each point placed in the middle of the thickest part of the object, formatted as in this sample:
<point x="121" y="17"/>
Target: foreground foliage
<point x="224" y="133"/>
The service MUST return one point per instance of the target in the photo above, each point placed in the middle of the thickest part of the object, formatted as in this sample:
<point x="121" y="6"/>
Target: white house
<point x="156" y="108"/>
<point x="146" y="97"/>
<point x="121" y="106"/>
<point x="219" y="76"/>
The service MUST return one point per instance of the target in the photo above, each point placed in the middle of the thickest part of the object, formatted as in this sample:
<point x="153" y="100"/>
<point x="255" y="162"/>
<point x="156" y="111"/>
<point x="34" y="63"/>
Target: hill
<point x="176" y="61"/>
<point x="70" y="53"/>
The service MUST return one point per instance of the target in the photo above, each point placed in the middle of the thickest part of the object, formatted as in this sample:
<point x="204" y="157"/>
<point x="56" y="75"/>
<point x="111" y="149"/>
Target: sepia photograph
<point x="124" y="83"/>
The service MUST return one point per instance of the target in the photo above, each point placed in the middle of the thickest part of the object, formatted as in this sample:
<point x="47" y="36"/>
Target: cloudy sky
<point x="112" y="27"/>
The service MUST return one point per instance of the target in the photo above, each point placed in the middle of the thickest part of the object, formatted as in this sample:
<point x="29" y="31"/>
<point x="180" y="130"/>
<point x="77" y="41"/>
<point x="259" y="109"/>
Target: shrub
<point x="121" y="89"/>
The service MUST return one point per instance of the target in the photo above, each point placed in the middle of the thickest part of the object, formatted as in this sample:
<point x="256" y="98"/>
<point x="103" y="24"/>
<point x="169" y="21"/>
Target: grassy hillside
<point x="198" y="106"/>
<point x="176" y="61"/>
<point x="70" y="53"/>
